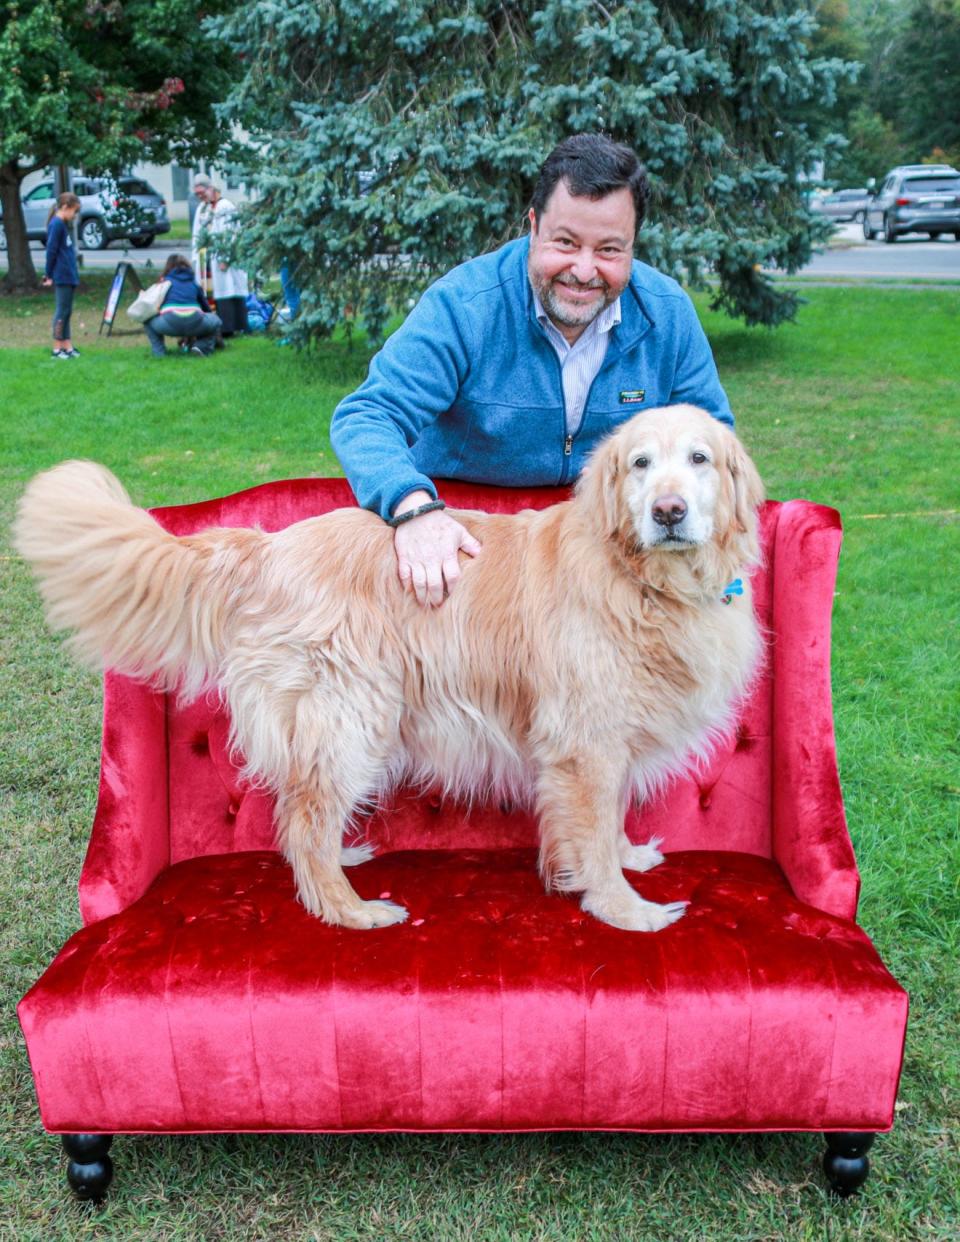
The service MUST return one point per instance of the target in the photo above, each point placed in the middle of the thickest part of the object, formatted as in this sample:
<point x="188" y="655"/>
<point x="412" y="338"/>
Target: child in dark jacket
<point x="185" y="312"/>
<point x="61" y="272"/>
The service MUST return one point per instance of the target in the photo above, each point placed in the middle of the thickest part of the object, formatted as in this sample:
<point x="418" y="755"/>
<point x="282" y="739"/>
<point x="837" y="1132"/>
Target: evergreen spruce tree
<point x="397" y="139"/>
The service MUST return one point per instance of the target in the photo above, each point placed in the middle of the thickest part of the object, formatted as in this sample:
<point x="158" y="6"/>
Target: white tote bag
<point x="148" y="302"/>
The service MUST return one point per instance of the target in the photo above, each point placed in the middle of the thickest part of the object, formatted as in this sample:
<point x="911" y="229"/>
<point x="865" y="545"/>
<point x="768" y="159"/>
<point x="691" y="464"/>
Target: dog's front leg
<point x="581" y="807"/>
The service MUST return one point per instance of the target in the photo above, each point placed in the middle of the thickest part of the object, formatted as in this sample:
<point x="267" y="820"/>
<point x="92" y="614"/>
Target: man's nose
<point x="669" y="510"/>
<point x="584" y="267"/>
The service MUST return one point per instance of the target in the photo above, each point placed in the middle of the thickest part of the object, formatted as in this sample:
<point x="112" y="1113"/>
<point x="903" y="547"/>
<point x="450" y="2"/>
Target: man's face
<point x="580" y="255"/>
<point x="201" y="193"/>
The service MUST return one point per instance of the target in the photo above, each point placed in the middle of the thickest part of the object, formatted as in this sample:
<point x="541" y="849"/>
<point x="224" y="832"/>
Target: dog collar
<point x="731" y="589"/>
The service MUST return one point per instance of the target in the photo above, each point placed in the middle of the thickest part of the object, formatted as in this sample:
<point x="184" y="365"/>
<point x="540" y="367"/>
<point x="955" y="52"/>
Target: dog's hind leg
<point x="639" y="857"/>
<point x="581" y="810"/>
<point x="339" y="754"/>
<point x="356" y="855"/>
<point x="310" y="820"/>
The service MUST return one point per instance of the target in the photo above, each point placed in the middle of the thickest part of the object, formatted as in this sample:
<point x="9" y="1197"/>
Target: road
<point x="849" y="257"/>
<point x="157" y="254"/>
<point x="913" y="257"/>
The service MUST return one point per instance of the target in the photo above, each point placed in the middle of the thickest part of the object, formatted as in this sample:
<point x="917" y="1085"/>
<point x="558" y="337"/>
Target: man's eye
<point x="641" y="463"/>
<point x="698" y="458"/>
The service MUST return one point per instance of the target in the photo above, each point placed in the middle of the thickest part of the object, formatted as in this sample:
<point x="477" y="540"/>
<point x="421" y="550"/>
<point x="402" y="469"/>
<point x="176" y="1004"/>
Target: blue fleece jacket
<point x="469" y="387"/>
<point x="61" y="254"/>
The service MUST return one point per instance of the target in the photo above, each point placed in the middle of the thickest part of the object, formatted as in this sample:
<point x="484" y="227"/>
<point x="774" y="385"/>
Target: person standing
<point x="62" y="272"/>
<point x="199" y="251"/>
<point x="230" y="286"/>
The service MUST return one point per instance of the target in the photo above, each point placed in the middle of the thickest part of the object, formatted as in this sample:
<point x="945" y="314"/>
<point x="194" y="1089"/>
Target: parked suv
<point x="130" y="208"/>
<point x="915" y="198"/>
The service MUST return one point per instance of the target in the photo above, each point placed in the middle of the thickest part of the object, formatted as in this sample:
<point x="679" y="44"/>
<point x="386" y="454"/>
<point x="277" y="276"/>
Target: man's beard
<point x="569" y="315"/>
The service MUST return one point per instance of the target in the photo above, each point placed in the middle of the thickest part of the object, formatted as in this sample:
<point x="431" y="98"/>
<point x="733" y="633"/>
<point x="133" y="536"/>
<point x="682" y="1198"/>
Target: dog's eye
<point x="641" y="463"/>
<point x="698" y="458"/>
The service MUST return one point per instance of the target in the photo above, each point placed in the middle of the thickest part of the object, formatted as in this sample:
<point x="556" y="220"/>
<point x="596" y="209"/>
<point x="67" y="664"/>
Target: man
<point x="514" y="365"/>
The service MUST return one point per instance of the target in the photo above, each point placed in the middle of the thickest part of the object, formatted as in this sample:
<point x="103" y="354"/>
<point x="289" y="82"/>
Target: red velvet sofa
<point x="200" y="996"/>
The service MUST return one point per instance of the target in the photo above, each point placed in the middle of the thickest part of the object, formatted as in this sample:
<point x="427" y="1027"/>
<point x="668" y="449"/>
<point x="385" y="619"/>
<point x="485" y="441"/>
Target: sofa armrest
<point x="130" y="841"/>
<point x="810" y="838"/>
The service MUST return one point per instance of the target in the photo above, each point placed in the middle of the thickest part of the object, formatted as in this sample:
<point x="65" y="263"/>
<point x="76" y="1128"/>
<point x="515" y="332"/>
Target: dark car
<point x="915" y="198"/>
<point x="842" y="204"/>
<point x="128" y="208"/>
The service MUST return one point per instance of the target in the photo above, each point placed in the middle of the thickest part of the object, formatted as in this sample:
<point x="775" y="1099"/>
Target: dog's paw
<point x="354" y="855"/>
<point x="640" y="857"/>
<point x="632" y="913"/>
<point x="370" y="914"/>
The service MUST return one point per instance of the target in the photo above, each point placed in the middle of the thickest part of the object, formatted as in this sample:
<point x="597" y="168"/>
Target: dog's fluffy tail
<point x="134" y="597"/>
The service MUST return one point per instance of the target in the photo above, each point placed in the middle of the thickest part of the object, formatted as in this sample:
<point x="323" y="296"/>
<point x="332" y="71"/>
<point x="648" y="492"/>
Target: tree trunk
<point x="21" y="275"/>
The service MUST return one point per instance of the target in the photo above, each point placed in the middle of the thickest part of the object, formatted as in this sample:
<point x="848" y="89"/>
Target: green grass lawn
<point x="856" y="405"/>
<point x="179" y="231"/>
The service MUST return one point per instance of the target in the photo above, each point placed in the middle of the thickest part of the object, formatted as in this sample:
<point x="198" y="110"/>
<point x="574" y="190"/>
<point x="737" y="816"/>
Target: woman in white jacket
<point x="199" y="254"/>
<point x="230" y="286"/>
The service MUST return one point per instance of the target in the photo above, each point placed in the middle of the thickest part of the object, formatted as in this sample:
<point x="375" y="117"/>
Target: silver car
<point x="842" y="204"/>
<point x="915" y="198"/>
<point x="128" y="208"/>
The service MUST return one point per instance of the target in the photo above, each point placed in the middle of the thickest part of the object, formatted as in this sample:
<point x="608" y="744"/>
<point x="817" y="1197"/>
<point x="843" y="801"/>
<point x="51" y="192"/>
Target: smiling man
<point x="514" y="365"/>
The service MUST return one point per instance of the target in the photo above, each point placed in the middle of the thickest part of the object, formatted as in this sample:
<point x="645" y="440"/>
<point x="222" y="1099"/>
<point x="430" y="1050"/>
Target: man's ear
<point x="599" y="486"/>
<point x="532" y="217"/>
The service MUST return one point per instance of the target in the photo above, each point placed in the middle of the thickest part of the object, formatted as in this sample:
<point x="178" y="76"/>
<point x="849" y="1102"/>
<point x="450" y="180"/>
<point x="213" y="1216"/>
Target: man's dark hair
<point x="592" y="165"/>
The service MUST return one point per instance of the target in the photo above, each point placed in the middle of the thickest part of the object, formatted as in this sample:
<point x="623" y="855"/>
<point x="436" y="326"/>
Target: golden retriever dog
<point x="588" y="653"/>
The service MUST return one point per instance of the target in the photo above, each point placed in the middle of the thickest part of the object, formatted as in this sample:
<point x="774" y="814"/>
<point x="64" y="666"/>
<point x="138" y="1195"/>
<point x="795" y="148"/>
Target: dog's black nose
<point x="669" y="510"/>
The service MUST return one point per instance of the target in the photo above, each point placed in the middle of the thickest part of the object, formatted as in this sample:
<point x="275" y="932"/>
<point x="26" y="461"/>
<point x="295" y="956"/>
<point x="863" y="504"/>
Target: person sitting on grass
<point x="185" y="312"/>
<point x="61" y="272"/>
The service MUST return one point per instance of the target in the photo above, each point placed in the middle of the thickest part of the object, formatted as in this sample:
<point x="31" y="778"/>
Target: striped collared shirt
<point x="579" y="362"/>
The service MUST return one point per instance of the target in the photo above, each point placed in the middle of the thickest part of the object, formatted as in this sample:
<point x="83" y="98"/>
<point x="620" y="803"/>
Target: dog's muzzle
<point x="669" y="511"/>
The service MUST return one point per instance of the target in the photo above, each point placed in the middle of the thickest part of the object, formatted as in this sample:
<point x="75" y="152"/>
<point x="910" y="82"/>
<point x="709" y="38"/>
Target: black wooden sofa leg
<point x="845" y="1161"/>
<point x="90" y="1170"/>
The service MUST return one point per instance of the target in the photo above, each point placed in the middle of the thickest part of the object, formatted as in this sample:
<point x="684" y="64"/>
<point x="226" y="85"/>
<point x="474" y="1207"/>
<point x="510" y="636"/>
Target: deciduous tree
<point x="100" y="84"/>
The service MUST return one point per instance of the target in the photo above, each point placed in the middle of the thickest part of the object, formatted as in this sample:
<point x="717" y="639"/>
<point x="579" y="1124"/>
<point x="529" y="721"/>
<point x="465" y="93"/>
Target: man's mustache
<point x="573" y="283"/>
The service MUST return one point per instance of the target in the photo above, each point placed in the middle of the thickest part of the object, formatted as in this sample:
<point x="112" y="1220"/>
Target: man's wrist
<point x="412" y="500"/>
<point x="430" y="506"/>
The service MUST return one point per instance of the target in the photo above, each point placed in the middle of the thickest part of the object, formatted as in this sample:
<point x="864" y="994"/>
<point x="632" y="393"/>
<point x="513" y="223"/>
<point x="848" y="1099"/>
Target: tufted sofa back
<point x="168" y="783"/>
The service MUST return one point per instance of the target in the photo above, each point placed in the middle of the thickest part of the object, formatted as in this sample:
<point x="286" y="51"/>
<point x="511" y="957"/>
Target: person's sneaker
<point x="72" y="353"/>
<point x="59" y="353"/>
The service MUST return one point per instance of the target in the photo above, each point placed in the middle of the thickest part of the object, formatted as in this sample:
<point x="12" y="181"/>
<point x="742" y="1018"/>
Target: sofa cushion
<point x="215" y="1002"/>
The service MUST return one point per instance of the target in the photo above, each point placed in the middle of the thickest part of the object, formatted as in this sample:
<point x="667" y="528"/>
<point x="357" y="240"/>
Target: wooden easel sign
<point x="125" y="271"/>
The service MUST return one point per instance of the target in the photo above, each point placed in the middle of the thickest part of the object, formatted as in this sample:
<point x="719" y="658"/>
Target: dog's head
<point x="675" y="481"/>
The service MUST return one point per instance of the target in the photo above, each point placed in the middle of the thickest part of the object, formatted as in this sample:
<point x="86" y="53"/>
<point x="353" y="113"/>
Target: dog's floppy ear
<point x="748" y="493"/>
<point x="744" y="494"/>
<point x="598" y="486"/>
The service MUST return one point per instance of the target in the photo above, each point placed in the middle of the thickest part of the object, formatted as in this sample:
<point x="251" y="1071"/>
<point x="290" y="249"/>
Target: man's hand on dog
<point x="428" y="550"/>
